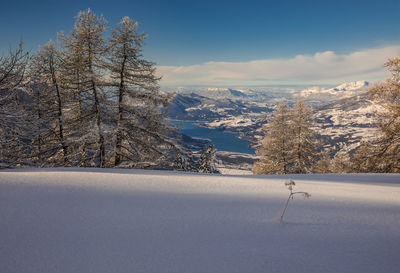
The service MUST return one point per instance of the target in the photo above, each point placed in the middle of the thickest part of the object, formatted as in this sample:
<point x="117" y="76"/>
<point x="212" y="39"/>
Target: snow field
<point x="92" y="220"/>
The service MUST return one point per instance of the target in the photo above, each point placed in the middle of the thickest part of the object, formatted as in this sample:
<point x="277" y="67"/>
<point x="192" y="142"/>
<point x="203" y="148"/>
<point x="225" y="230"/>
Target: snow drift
<point x="77" y="220"/>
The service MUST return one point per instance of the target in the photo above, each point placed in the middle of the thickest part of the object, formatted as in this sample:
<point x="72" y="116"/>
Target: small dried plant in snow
<point x="290" y="185"/>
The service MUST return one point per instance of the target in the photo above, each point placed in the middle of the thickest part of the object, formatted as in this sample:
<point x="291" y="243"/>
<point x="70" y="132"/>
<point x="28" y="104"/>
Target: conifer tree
<point x="206" y="163"/>
<point x="323" y="165"/>
<point x="45" y="73"/>
<point x="71" y="78"/>
<point x="341" y="163"/>
<point x="304" y="141"/>
<point x="142" y="133"/>
<point x="84" y="64"/>
<point x="276" y="147"/>
<point x="289" y="145"/>
<point x="14" y="130"/>
<point x="383" y="153"/>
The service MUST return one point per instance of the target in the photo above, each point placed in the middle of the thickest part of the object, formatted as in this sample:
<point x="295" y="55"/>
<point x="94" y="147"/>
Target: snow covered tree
<point x="12" y="69"/>
<point x="290" y="143"/>
<point x="304" y="139"/>
<point x="142" y="133"/>
<point x="206" y="163"/>
<point x="14" y="131"/>
<point x="71" y="78"/>
<point x="83" y="73"/>
<point x="48" y="98"/>
<point x="276" y="147"/>
<point x="192" y="165"/>
<point x="180" y="163"/>
<point x="383" y="153"/>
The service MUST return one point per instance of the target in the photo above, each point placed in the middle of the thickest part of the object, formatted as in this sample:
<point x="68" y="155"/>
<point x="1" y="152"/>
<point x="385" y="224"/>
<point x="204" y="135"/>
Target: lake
<point x="222" y="140"/>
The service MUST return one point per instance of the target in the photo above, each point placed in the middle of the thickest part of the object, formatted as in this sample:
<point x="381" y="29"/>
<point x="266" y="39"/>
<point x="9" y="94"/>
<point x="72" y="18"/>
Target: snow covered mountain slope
<point x="92" y="220"/>
<point x="344" y="123"/>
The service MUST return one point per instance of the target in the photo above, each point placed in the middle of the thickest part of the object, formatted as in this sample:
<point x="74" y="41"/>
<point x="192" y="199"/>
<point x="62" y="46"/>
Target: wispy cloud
<point x="322" y="67"/>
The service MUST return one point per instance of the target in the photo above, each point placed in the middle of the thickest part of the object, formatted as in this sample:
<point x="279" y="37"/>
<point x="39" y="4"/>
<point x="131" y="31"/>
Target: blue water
<point x="222" y="140"/>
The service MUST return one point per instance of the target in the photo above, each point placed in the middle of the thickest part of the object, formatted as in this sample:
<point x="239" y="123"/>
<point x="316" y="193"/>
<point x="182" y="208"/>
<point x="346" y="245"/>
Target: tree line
<point x="94" y="101"/>
<point x="291" y="143"/>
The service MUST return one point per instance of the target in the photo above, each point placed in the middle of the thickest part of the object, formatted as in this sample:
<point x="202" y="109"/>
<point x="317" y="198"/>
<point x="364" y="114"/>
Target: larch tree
<point x="341" y="162"/>
<point x="323" y="165"/>
<point x="290" y="142"/>
<point x="71" y="80"/>
<point x="45" y="74"/>
<point x="14" y="130"/>
<point x="276" y="148"/>
<point x="304" y="143"/>
<point x="84" y="59"/>
<point x="142" y="134"/>
<point x="383" y="153"/>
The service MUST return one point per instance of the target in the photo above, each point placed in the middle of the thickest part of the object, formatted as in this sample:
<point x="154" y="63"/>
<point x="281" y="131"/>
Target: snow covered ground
<point x="92" y="220"/>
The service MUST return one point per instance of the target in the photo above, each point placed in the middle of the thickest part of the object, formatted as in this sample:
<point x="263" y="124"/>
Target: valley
<point x="344" y="115"/>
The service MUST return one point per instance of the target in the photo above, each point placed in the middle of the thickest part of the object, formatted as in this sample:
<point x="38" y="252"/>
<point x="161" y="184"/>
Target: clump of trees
<point x="86" y="101"/>
<point x="290" y="144"/>
<point x="205" y="163"/>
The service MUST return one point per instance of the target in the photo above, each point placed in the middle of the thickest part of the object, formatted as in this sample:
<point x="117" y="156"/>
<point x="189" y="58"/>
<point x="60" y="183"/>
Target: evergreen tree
<point x="206" y="163"/>
<point x="192" y="165"/>
<point x="180" y="163"/>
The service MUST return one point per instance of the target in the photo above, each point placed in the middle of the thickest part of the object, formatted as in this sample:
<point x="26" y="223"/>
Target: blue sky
<point x="192" y="34"/>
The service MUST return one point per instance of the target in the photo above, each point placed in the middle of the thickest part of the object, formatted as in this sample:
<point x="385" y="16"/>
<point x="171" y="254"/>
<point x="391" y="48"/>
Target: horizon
<point x="232" y="43"/>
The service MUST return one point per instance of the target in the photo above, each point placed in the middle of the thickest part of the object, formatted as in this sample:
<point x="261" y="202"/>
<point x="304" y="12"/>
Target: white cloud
<point x="322" y="67"/>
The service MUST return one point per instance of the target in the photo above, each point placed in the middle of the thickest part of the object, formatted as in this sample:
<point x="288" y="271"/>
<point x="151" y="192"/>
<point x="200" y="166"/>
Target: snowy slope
<point x="147" y="221"/>
<point x="345" y="123"/>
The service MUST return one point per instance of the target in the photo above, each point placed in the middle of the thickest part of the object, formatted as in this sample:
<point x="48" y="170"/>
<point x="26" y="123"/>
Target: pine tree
<point x="142" y="131"/>
<point x="180" y="163"/>
<point x="276" y="147"/>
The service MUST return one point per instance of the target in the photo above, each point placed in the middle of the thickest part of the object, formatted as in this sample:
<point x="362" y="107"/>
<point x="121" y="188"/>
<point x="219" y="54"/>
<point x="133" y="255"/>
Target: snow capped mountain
<point x="358" y="85"/>
<point x="344" y="90"/>
<point x="215" y="89"/>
